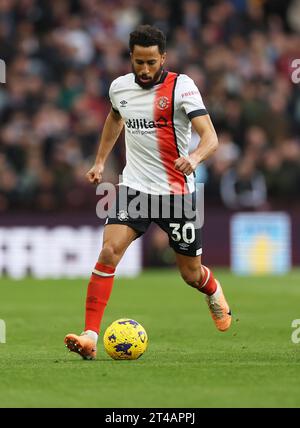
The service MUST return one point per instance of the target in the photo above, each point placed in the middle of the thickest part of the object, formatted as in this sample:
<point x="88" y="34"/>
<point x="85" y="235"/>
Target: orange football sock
<point x="98" y="293"/>
<point x="208" y="283"/>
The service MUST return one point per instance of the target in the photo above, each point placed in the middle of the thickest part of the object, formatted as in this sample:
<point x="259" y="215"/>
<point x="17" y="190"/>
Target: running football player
<point x="157" y="108"/>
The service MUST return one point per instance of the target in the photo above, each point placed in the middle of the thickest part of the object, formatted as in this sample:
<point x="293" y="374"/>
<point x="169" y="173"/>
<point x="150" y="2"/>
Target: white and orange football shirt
<point x="157" y="130"/>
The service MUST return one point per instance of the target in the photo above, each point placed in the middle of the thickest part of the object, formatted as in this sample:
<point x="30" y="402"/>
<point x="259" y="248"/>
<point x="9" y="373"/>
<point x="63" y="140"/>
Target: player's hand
<point x="186" y="165"/>
<point x="94" y="175"/>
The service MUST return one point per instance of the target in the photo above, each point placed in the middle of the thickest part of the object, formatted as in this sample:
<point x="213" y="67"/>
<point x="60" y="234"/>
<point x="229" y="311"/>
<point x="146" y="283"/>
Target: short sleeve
<point x="111" y="97"/>
<point x="190" y="98"/>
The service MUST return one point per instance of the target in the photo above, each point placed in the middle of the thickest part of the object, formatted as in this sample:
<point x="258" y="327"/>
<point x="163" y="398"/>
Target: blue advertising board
<point x="260" y="243"/>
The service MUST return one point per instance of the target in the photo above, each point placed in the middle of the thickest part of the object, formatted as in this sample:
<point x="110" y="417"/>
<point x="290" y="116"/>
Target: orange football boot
<point x="219" y="309"/>
<point x="82" y="345"/>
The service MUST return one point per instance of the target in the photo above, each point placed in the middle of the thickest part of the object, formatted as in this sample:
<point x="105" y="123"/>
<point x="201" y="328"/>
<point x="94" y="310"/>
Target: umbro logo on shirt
<point x="123" y="103"/>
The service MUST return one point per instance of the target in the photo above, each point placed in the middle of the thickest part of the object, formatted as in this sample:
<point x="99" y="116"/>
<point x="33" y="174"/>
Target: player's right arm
<point x="112" y="129"/>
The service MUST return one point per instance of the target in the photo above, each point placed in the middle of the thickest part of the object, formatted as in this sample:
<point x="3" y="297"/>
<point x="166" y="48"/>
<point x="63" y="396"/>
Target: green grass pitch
<point x="188" y="362"/>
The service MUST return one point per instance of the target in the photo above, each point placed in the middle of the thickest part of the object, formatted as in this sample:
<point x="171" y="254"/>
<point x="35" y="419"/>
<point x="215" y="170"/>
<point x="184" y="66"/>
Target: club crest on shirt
<point x="163" y="103"/>
<point x="123" y="215"/>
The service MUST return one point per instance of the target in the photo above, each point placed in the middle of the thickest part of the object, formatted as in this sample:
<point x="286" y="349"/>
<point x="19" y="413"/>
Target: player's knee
<point x="109" y="256"/>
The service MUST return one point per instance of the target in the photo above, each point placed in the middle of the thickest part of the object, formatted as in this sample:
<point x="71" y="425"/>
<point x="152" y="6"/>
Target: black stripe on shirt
<point x="196" y="113"/>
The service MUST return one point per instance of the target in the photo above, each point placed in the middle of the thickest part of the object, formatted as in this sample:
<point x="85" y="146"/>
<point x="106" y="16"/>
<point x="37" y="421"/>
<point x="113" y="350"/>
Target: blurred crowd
<point x="61" y="57"/>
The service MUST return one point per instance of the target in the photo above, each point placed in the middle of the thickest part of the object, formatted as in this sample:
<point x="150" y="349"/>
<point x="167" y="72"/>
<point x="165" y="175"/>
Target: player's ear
<point x="163" y="58"/>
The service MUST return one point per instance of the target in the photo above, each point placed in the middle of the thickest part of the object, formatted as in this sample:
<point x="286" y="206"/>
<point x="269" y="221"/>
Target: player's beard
<point x="150" y="83"/>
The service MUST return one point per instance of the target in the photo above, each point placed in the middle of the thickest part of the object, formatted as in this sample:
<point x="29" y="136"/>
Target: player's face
<point x="147" y="64"/>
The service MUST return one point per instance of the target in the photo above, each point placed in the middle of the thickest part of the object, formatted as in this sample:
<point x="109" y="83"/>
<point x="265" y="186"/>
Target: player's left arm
<point x="207" y="146"/>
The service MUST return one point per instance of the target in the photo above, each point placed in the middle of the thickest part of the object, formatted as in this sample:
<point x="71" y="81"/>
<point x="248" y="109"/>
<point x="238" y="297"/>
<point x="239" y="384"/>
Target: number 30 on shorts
<point x="187" y="232"/>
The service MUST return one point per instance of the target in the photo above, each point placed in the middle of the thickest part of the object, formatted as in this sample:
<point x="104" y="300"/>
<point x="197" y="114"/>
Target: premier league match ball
<point x="125" y="339"/>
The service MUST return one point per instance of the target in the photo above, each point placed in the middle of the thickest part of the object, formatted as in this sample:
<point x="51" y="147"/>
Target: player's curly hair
<point x="146" y="35"/>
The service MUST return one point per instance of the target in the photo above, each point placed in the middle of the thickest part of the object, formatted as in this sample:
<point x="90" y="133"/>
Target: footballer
<point x="157" y="108"/>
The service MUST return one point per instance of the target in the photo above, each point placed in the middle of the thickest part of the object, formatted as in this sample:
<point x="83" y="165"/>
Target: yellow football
<point x="125" y="339"/>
